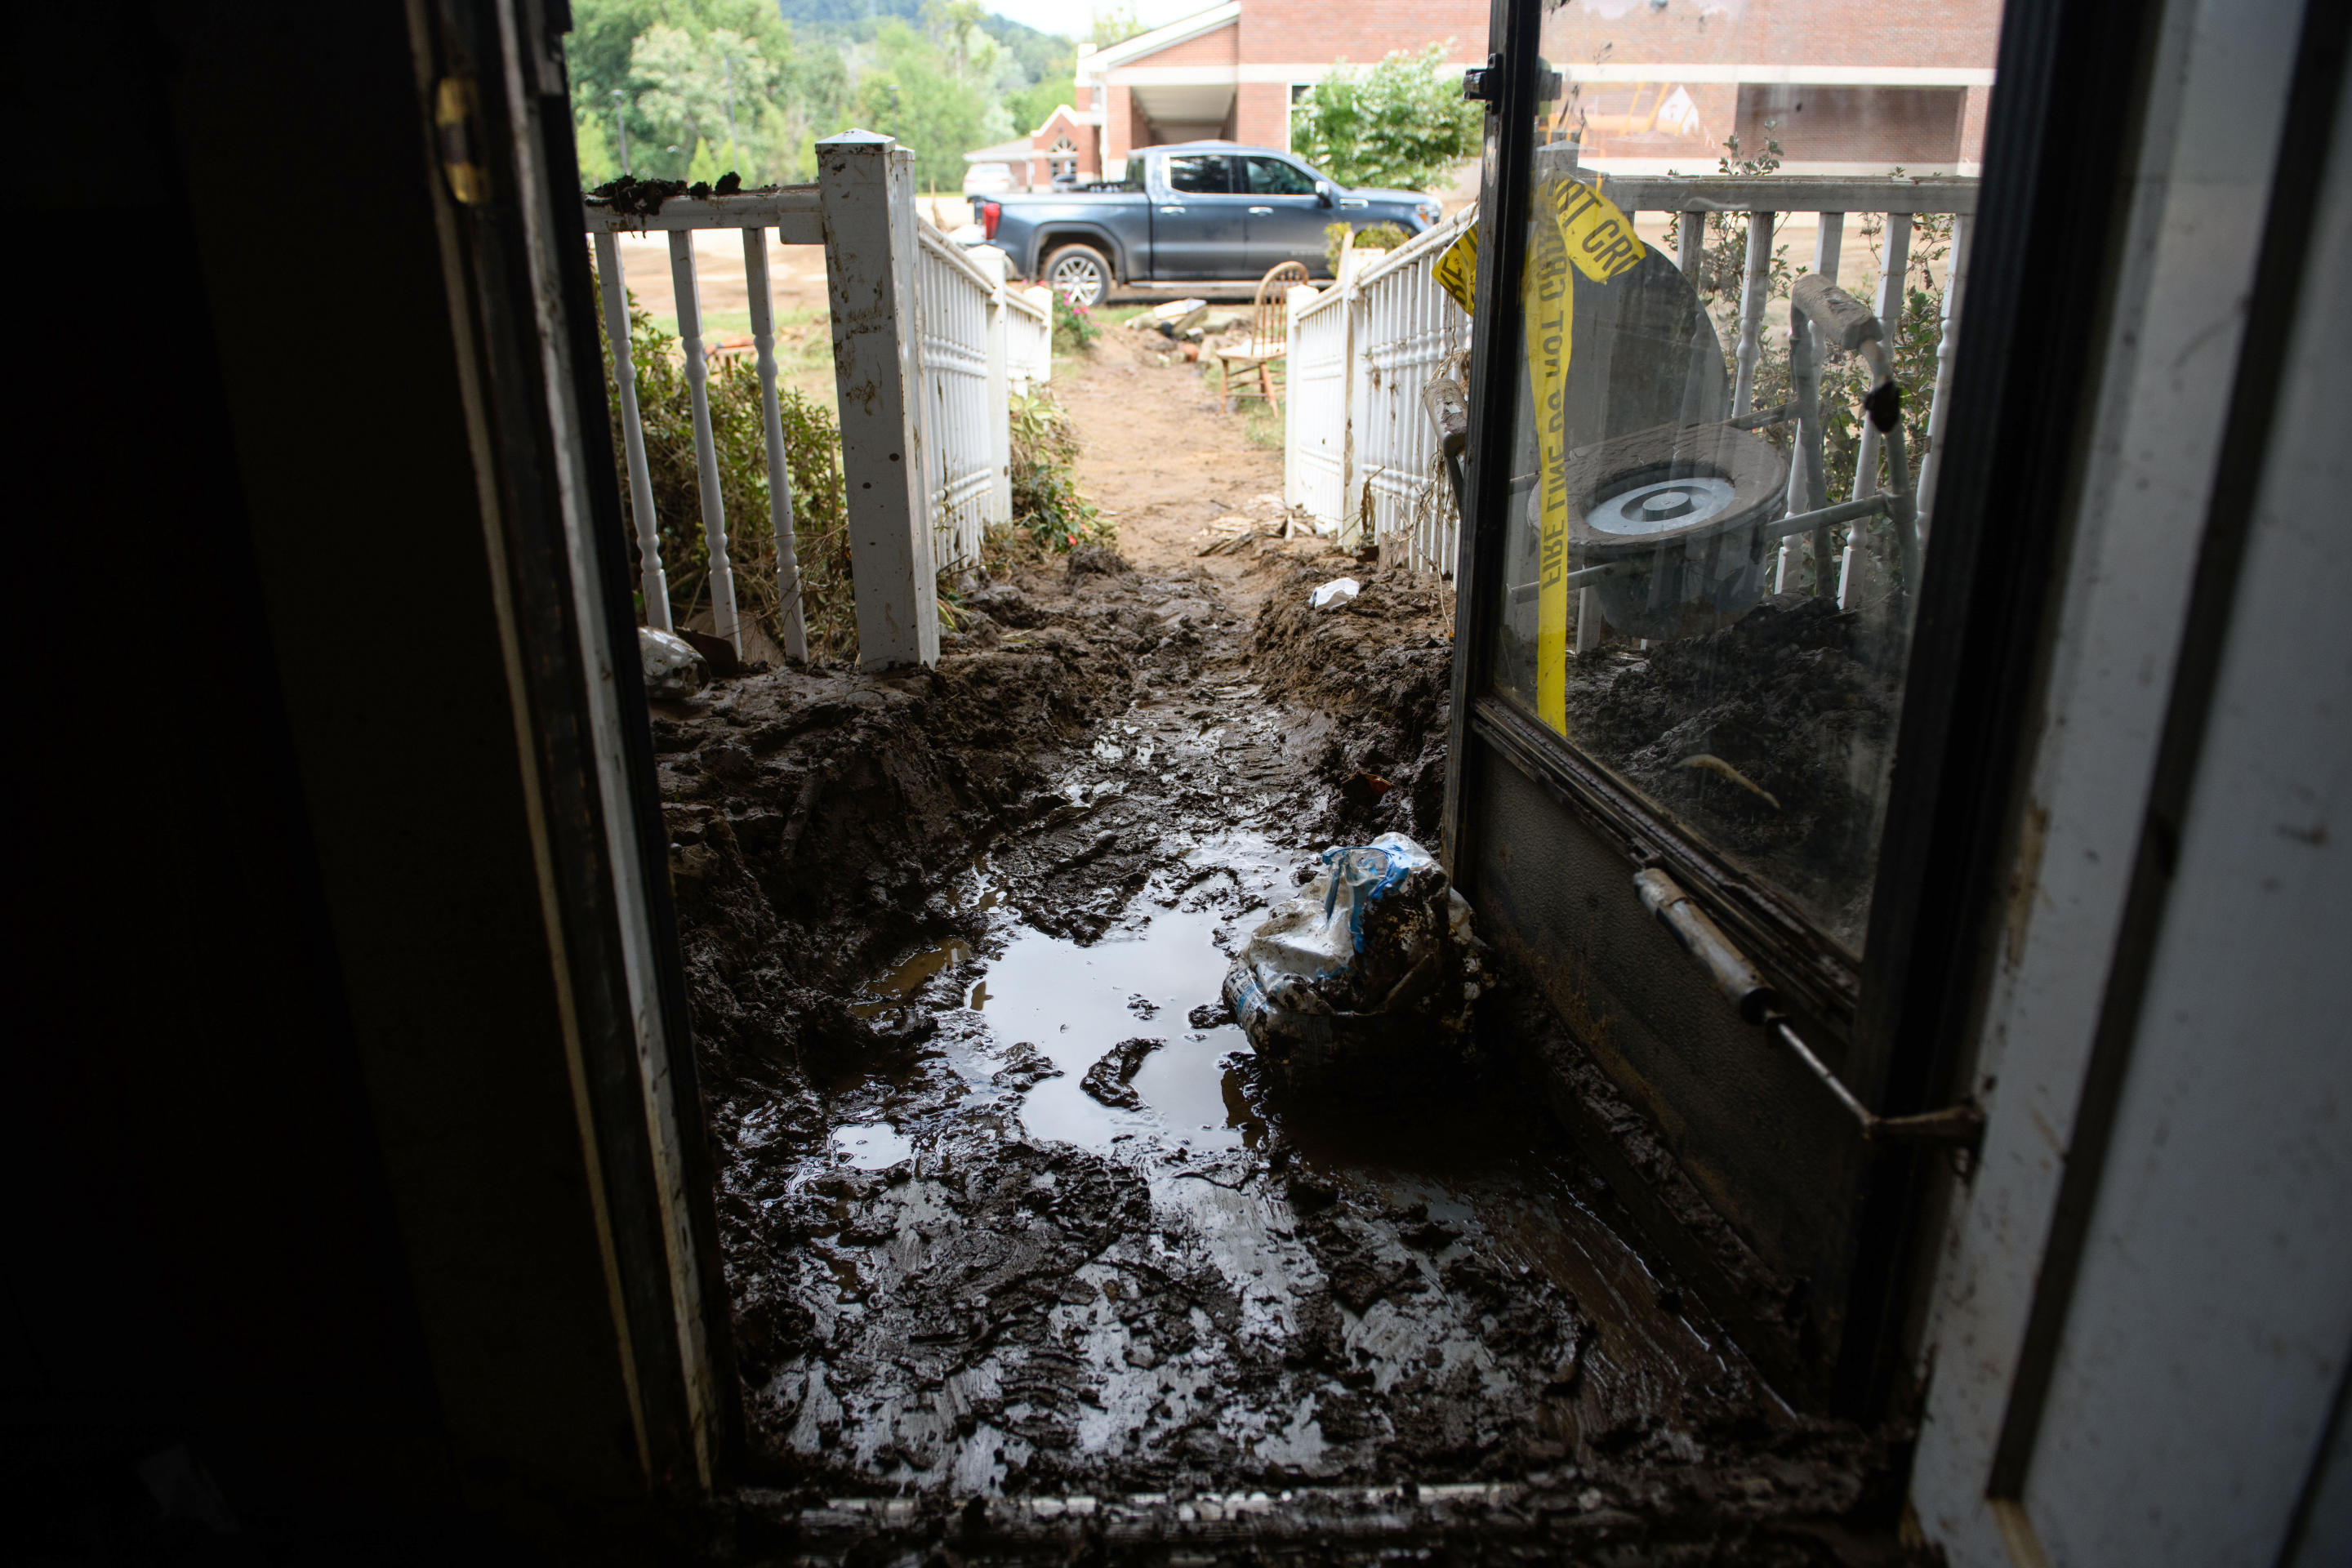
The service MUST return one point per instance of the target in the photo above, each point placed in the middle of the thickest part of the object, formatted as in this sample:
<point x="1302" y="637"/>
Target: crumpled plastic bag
<point x="1366" y="979"/>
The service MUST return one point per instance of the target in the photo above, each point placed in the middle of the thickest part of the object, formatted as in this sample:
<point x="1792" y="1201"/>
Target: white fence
<point x="1359" y="453"/>
<point x="929" y="344"/>
<point x="983" y="343"/>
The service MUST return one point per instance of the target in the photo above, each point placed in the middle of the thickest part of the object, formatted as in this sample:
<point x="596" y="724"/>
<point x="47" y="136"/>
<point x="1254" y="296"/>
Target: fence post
<point x="996" y="263"/>
<point x="868" y="196"/>
<point x="1754" y="285"/>
<point x="1355" y="395"/>
<point x="652" y="581"/>
<point x="780" y="471"/>
<point x="1294" y="485"/>
<point x="706" y="455"/>
<point x="1956" y="278"/>
<point x="1895" y="263"/>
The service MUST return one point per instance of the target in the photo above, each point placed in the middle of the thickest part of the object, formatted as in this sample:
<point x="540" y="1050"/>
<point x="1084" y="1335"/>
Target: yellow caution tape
<point x="1587" y="234"/>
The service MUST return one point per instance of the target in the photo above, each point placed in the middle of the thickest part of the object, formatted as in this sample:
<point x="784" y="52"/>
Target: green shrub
<point x="1382" y="236"/>
<point x="1075" y="327"/>
<point x="1047" y="503"/>
<point x="738" y="433"/>
<point x="1404" y="123"/>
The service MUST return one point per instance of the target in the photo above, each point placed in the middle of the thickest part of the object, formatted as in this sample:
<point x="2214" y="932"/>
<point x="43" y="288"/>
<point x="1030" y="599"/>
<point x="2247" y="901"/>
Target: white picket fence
<point x="930" y="343"/>
<point x="1361" y="453"/>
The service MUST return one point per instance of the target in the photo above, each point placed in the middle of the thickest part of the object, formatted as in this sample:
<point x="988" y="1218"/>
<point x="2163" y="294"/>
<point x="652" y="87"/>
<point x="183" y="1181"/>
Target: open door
<point x="1738" y="689"/>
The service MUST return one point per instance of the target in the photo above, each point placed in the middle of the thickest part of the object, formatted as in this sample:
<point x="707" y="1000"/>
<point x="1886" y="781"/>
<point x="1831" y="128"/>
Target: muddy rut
<point x="1007" y="1214"/>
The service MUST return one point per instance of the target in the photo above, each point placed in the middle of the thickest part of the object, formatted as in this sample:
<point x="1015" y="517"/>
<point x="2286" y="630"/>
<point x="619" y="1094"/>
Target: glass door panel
<point x="1672" y="601"/>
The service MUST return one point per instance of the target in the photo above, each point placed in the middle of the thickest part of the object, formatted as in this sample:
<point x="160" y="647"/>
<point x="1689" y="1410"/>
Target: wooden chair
<point x="1269" y="338"/>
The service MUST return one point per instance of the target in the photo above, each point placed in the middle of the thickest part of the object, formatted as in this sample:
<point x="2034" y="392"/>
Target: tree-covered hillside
<point x="694" y="88"/>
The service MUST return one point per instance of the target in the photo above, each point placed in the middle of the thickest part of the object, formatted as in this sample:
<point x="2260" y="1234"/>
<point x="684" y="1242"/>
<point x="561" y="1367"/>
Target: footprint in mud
<point x="1109" y="1079"/>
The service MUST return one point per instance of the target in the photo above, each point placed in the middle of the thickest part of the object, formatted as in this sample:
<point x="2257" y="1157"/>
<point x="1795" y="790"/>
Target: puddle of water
<point x="871" y="1146"/>
<point x="1140" y="980"/>
<point x="910" y="977"/>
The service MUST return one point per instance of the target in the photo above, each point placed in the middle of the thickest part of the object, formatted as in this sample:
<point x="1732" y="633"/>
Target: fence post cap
<point x="855" y="141"/>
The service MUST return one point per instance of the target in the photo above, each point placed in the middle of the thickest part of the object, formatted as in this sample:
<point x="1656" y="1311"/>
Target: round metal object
<point x="1665" y="504"/>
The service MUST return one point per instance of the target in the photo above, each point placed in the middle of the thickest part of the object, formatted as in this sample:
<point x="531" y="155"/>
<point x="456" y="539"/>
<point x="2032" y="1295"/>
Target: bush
<point x="1404" y="123"/>
<point x="1046" y="504"/>
<point x="1075" y="327"/>
<point x="737" y="426"/>
<point x="1381" y="235"/>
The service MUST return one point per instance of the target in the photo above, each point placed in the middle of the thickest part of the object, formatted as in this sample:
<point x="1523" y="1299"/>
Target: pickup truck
<point x="1191" y="215"/>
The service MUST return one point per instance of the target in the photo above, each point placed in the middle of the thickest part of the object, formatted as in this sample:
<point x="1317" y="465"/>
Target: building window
<point x="1063" y="153"/>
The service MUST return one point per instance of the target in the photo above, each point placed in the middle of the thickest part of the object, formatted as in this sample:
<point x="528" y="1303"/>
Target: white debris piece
<point x="1339" y="590"/>
<point x="672" y="668"/>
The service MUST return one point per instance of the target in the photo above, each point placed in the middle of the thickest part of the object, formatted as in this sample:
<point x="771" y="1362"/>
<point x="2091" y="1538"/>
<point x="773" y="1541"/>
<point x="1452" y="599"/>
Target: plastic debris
<point x="672" y="668"/>
<point x="1364" y="980"/>
<point x="1339" y="590"/>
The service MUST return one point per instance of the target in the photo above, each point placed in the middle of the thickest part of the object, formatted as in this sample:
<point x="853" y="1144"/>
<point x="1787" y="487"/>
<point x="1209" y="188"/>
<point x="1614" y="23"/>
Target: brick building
<point x="1649" y="86"/>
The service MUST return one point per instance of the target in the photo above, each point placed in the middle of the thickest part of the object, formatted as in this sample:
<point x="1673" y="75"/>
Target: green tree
<point x="593" y="144"/>
<point x="911" y="94"/>
<point x="1057" y="85"/>
<point x="1404" y="123"/>
<point x="1115" y="25"/>
<point x="601" y="53"/>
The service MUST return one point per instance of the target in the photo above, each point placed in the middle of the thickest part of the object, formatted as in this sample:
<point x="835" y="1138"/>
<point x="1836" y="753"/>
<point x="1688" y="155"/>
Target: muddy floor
<point x="1009" y="1215"/>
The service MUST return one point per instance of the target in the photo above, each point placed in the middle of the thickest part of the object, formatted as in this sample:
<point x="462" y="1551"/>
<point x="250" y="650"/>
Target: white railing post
<point x="1755" y="284"/>
<point x="652" y="581"/>
<point x="1294" y="427"/>
<point x="996" y="263"/>
<point x="1807" y="483"/>
<point x="780" y="472"/>
<point x="1955" y="277"/>
<point x="1894" y="264"/>
<point x="869" y="242"/>
<point x="705" y="457"/>
<point x="1355" y="398"/>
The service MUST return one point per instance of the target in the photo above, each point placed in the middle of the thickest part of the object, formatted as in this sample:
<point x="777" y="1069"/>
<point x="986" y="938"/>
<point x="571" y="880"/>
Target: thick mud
<point x="1009" y="1213"/>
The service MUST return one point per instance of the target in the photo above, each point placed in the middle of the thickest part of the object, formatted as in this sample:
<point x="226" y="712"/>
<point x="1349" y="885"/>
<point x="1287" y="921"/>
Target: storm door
<point x="1709" y="400"/>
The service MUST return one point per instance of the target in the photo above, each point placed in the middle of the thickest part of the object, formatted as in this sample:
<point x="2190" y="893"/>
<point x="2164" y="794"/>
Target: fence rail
<point x="929" y="344"/>
<point x="1360" y="455"/>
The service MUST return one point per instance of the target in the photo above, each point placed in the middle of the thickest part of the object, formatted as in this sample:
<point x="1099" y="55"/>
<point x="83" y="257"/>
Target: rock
<point x="1107" y="1080"/>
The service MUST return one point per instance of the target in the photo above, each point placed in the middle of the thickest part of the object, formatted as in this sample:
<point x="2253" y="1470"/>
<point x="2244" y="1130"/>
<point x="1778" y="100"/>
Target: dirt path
<point x="1164" y="463"/>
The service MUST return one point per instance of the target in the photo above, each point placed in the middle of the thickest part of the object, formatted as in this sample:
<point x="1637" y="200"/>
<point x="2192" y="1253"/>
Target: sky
<point x="1076" y="17"/>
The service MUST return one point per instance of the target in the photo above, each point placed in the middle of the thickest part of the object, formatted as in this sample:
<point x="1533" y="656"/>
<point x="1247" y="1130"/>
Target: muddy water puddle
<point x="1072" y="1004"/>
<point x="1011" y="1283"/>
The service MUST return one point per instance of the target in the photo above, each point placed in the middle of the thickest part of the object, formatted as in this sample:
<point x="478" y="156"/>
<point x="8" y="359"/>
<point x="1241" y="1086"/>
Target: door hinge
<point x="1484" y="84"/>
<point x="456" y="128"/>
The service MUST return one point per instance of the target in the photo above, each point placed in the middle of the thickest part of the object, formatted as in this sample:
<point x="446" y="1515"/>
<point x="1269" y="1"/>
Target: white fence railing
<point x="1358" y="453"/>
<point x="928" y="343"/>
<point x="1361" y="455"/>
<point x="1764" y="201"/>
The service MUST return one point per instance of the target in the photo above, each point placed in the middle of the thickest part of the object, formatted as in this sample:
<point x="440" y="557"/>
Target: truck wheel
<point x="1079" y="273"/>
